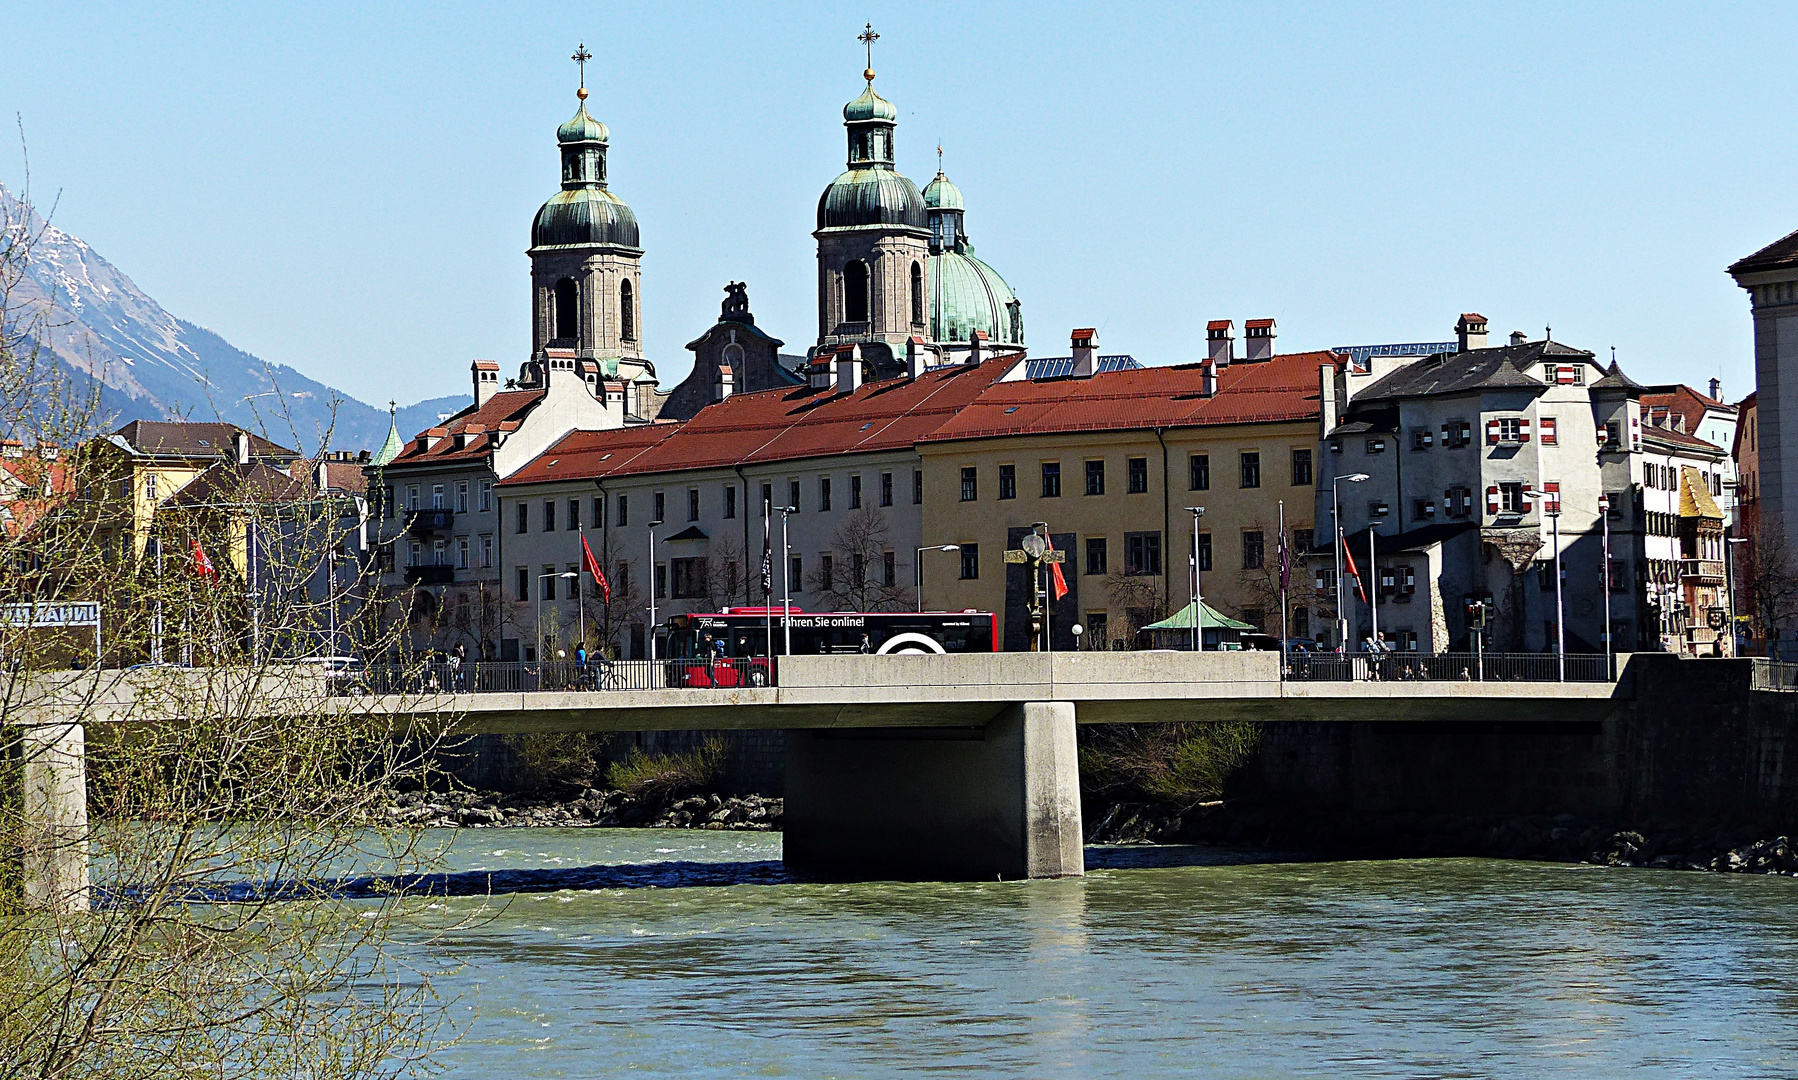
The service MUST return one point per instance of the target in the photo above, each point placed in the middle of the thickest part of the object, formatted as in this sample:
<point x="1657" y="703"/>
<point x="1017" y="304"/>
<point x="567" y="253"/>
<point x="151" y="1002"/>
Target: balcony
<point x="430" y="575"/>
<point x="435" y="519"/>
<point x="1707" y="571"/>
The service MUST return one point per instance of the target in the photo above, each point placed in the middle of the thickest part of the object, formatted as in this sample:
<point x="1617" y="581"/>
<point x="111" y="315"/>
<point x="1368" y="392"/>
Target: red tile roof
<point x="1218" y="324"/>
<point x="1256" y="324"/>
<point x="585" y="455"/>
<point x="1681" y="401"/>
<point x="502" y="409"/>
<point x="1282" y="388"/>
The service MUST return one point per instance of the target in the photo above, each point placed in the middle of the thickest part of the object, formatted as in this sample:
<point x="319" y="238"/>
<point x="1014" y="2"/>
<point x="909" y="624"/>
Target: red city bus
<point x="740" y="635"/>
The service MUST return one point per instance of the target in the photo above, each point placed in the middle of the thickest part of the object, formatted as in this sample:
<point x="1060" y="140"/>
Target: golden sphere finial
<point x="581" y="93"/>
<point x="868" y="74"/>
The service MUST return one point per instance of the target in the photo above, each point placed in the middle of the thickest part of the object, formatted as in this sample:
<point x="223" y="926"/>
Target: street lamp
<point x="1336" y="531"/>
<point x="1729" y="584"/>
<point x="1551" y="509"/>
<point x="1037" y="546"/>
<point x="918" y="568"/>
<point x="786" y="583"/>
<point x="1198" y="606"/>
<point x="652" y="587"/>
<point x="541" y="578"/>
<point x="1604" y="553"/>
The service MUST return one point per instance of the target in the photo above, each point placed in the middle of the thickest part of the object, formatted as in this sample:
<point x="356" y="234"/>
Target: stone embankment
<point x="1563" y="838"/>
<point x="589" y="808"/>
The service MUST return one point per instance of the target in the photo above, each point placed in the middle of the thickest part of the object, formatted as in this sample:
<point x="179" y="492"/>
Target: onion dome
<point x="871" y="193"/>
<point x="870" y="106"/>
<point x="582" y="128"/>
<point x="584" y="213"/>
<point x="942" y="194"/>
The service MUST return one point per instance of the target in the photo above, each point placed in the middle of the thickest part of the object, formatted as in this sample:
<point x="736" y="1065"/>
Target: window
<point x="1008" y="481"/>
<point x="621" y="577"/>
<point x="692" y="504"/>
<point x="1510" y="498"/>
<point x="1097" y="630"/>
<point x="627" y="311"/>
<point x="461" y="496"/>
<point x="1303" y="540"/>
<point x="1403" y="640"/>
<point x="568" y="310"/>
<point x="661" y="581"/>
<point x="917" y="292"/>
<point x="436" y="496"/>
<point x="917" y="487"/>
<point x="858" y="571"/>
<point x="1422" y="509"/>
<point x="549" y="581"/>
<point x="549" y="515"/>
<point x="1301" y="467"/>
<point x="416" y="556"/>
<point x="1377" y="508"/>
<point x="1457" y="502"/>
<point x="388" y="504"/>
<point x="1421" y="439"/>
<point x="599" y="511"/>
<point x="150" y="487"/>
<point x="524" y="583"/>
<point x="796" y="571"/>
<point x="827" y="572"/>
<point x="793" y="495"/>
<point x="688" y="578"/>
<point x="1250" y="463"/>
<point x="1051" y="479"/>
<point x="574" y="514"/>
<point x="767" y="496"/>
<point x="1095" y="478"/>
<point x="970" y="483"/>
<point x="970" y="562"/>
<point x="1407" y="580"/>
<point x="855" y="291"/>
<point x="889" y="568"/>
<point x="1095" y="555"/>
<point x="486" y="550"/>
<point x="1253" y="549"/>
<point x="1325" y="579"/>
<point x="1199" y="472"/>
<point x="486" y="496"/>
<point x="411" y="496"/>
<point x="524" y="514"/>
<point x="624" y="510"/>
<point x="1376" y="446"/>
<point x="730" y="501"/>
<point x="1545" y="576"/>
<point x="1136" y="474"/>
<point x="659" y="507"/>
<point x="1613" y="435"/>
<point x="1204" y="551"/>
<point x="1142" y="553"/>
<point x="1619" y="576"/>
<point x="1546" y="426"/>
<point x="886" y="489"/>
<point x="461" y="552"/>
<point x="1456" y="433"/>
<point x="855" y="491"/>
<point x="1511" y="429"/>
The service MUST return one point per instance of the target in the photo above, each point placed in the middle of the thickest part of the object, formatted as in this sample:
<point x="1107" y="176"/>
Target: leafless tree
<point x="1141" y="598"/>
<point x="857" y="579"/>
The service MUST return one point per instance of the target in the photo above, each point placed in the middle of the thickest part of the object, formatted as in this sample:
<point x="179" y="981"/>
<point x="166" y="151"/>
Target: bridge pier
<point x="54" y="848"/>
<point x="937" y="803"/>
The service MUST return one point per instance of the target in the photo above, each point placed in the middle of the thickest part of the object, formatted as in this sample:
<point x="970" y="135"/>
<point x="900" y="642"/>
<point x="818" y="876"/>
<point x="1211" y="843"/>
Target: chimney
<point x="243" y="447"/>
<point x="1260" y="335"/>
<point x="321" y="475"/>
<point x="1085" y="346"/>
<point x="1470" y="330"/>
<point x="849" y="369"/>
<point x="1208" y="379"/>
<point x="1326" y="397"/>
<point x="1220" y="341"/>
<point x="1518" y="337"/>
<point x="486" y="381"/>
<point x="1716" y="389"/>
<point x="914" y="356"/>
<point x="723" y="383"/>
<point x="974" y="347"/>
<point x="820" y="373"/>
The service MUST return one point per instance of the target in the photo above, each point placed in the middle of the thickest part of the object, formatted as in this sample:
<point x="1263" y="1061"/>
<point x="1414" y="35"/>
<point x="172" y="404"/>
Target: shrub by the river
<point x="561" y="759"/>
<point x="666" y="774"/>
<point x="1181" y="764"/>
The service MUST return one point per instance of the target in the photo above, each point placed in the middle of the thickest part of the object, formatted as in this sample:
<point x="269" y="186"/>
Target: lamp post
<point x="1038" y="546"/>
<point x="1729" y="584"/>
<point x="1336" y="537"/>
<point x="652" y="587"/>
<point x="541" y="578"/>
<point x="1198" y="596"/>
<point x="1604" y="554"/>
<point x="918" y="567"/>
<point x="786" y="583"/>
<point x="1551" y="509"/>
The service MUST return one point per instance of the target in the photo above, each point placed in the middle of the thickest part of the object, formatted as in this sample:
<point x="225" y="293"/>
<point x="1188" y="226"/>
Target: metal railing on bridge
<point x="1773" y="675"/>
<point x="484" y="677"/>
<point x="1447" y="667"/>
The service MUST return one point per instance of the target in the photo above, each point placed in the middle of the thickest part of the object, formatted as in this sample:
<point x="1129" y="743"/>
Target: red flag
<point x="1058" y="584"/>
<point x="202" y="564"/>
<point x="599" y="576"/>
<point x="1349" y="558"/>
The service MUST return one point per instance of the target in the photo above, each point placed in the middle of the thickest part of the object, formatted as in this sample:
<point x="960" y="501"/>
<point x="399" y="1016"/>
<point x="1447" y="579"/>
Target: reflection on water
<point x="1161" y="962"/>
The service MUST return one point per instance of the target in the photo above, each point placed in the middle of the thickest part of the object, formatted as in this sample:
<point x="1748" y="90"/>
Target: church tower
<point x="586" y="285"/>
<point x="873" y="241"/>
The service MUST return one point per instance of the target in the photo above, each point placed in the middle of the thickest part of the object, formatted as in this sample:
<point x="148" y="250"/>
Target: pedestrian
<point x="867" y="646"/>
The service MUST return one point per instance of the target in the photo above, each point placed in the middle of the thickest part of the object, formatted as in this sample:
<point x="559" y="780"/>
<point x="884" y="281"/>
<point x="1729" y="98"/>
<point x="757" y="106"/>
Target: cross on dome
<point x="580" y="57"/>
<point x="868" y="37"/>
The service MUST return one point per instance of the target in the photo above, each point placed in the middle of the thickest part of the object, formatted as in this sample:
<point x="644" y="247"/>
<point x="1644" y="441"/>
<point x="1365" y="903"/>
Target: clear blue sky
<point x="348" y="189"/>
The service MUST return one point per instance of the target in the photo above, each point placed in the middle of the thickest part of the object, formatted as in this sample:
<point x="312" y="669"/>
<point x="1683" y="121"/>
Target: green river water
<point x="651" y="953"/>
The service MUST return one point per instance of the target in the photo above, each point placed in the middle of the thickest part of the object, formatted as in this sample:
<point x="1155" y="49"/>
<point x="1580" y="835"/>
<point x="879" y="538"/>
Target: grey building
<point x="1770" y="276"/>
<point x="733" y="357"/>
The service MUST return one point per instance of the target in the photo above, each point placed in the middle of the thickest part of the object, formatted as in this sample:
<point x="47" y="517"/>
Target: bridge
<point x="907" y="766"/>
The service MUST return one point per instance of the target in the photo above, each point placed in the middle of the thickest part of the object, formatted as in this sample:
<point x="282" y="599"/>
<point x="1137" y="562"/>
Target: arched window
<point x="627" y="311"/>
<point x="917" y="293"/>
<point x="568" y="309"/>
<point x="855" y="292"/>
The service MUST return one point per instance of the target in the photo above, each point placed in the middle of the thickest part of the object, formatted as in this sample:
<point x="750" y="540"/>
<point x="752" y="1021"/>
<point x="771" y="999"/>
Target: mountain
<point x="154" y="366"/>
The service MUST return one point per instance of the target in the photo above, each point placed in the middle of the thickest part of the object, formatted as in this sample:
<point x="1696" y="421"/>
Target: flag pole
<point x="1373" y="594"/>
<point x="767" y="574"/>
<point x="1285" y="568"/>
<point x="580" y="581"/>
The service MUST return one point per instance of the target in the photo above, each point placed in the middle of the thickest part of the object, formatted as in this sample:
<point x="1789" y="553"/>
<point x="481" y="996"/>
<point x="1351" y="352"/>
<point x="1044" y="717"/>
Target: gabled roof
<point x="585" y="455"/>
<point x="1778" y="255"/>
<point x="157" y="438"/>
<point x="502" y="412"/>
<point x="1504" y="367"/>
<point x="1680" y="400"/>
<point x="229" y="483"/>
<point x="1282" y="388"/>
<point x="1680" y="442"/>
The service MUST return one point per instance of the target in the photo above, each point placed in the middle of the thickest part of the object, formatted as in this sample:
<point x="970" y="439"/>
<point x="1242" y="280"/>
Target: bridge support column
<point x="54" y="779"/>
<point x="935" y="803"/>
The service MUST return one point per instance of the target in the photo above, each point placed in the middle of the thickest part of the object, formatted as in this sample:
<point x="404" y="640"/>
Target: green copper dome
<point x="870" y="106"/>
<point x="942" y="194"/>
<point x="582" y="128"/>
<point x="871" y="196"/>
<point x="583" y="217"/>
<point x="968" y="295"/>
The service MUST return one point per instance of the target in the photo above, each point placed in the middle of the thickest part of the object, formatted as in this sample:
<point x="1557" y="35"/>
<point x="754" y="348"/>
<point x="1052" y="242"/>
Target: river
<point x="653" y="953"/>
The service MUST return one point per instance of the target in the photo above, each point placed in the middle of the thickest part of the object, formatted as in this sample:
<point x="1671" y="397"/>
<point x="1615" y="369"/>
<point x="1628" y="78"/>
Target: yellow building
<point x="1111" y="462"/>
